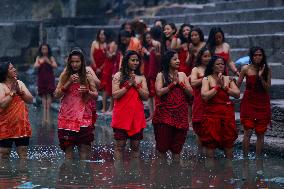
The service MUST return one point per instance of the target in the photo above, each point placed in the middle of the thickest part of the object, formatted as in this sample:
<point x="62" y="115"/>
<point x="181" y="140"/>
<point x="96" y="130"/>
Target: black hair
<point x="200" y="33"/>
<point x="200" y="54"/>
<point x="252" y="51"/>
<point x="49" y="54"/>
<point x="209" y="67"/>
<point x="166" y="60"/>
<point x="4" y="68"/>
<point x="181" y="36"/>
<point x="211" y="41"/>
<point x="125" y="68"/>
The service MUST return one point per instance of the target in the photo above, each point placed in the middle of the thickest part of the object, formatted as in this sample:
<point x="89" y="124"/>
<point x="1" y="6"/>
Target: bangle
<point x="63" y="89"/>
<point x="171" y="86"/>
<point x="217" y="88"/>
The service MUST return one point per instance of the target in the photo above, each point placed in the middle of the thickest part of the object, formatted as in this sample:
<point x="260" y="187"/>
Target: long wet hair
<point x="211" y="41"/>
<point x="98" y="35"/>
<point x="122" y="33"/>
<point x="82" y="71"/>
<point x="125" y="70"/>
<point x="209" y="68"/>
<point x="166" y="61"/>
<point x="181" y="36"/>
<point x="4" y="69"/>
<point x="49" y="53"/>
<point x="252" y="51"/>
<point x="199" y="56"/>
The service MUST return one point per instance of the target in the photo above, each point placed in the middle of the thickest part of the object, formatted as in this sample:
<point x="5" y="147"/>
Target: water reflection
<point x="46" y="167"/>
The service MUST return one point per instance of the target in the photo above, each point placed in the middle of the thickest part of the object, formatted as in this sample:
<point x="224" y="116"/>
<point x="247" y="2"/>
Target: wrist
<point x="12" y="94"/>
<point x="171" y="86"/>
<point x="138" y="86"/>
<point x="216" y="88"/>
<point x="225" y="88"/>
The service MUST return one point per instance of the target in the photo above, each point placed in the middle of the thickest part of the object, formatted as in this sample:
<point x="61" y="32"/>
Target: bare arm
<point x="143" y="90"/>
<point x="37" y="64"/>
<point x="92" y="52"/>
<point x="266" y="84"/>
<point x="231" y="64"/>
<point x="91" y="72"/>
<point x="233" y="89"/>
<point x="25" y="93"/>
<point x="206" y="92"/>
<point x="187" y="87"/>
<point x="195" y="81"/>
<point x="117" y="92"/>
<point x="53" y="62"/>
<point x="242" y="76"/>
<point x="5" y="99"/>
<point x="160" y="90"/>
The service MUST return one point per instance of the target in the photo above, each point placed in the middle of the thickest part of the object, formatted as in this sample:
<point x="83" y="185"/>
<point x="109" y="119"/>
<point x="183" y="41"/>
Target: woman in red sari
<point x="76" y="116"/>
<point x="45" y="63"/>
<point x="196" y="77"/>
<point x="217" y="44"/>
<point x="129" y="89"/>
<point x="98" y="52"/>
<point x="151" y="61"/>
<point x="14" y="116"/>
<point x="170" y="118"/>
<point x="255" y="106"/>
<point x="219" y="126"/>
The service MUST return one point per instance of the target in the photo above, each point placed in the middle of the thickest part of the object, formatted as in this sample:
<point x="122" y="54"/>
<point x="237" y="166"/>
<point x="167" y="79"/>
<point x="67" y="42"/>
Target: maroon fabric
<point x="46" y="80"/>
<point x="99" y="57"/>
<point x="108" y="72"/>
<point x="197" y="107"/>
<point x="169" y="138"/>
<point x="198" y="128"/>
<point x="172" y="109"/>
<point x="219" y="124"/>
<point x="71" y="138"/>
<point x="120" y="134"/>
<point x="256" y="101"/>
<point x="184" y="67"/>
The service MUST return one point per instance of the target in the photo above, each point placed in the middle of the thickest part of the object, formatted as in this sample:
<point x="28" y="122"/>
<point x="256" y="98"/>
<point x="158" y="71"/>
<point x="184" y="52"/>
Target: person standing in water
<point x="255" y="110"/>
<point x="129" y="89"/>
<point x="14" y="115"/>
<point x="45" y="63"/>
<point x="76" y="116"/>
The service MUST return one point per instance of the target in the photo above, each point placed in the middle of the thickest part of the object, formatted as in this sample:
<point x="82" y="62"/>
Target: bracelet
<point x="171" y="86"/>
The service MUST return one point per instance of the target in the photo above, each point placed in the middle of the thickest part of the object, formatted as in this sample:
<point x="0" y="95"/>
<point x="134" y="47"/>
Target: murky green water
<point x="46" y="167"/>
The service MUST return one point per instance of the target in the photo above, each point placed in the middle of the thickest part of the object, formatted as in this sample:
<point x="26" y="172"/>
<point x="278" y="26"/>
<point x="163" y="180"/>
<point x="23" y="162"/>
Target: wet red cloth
<point x="14" y="120"/>
<point x="255" y="106"/>
<point x="197" y="106"/>
<point x="172" y="109"/>
<point x="224" y="55"/>
<point x="151" y="69"/>
<point x="46" y="79"/>
<point x="128" y="113"/>
<point x="169" y="138"/>
<point x="70" y="138"/>
<point x="75" y="111"/>
<point x="219" y="122"/>
<point x="120" y="134"/>
<point x="99" y="56"/>
<point x="108" y="71"/>
<point x="184" y="67"/>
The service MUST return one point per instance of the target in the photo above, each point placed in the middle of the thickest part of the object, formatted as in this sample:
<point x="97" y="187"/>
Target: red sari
<point x="108" y="71"/>
<point x="151" y="69"/>
<point x="197" y="110"/>
<point x="170" y="120"/>
<point x="219" y="126"/>
<point x="14" y="120"/>
<point x="99" y="57"/>
<point x="184" y="67"/>
<point x="76" y="118"/>
<point x="128" y="113"/>
<point x="255" y="110"/>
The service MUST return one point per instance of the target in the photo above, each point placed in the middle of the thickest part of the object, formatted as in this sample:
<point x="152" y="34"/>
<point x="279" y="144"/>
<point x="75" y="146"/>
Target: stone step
<point x="273" y="55"/>
<point x="271" y="13"/>
<point x="268" y="41"/>
<point x="234" y="5"/>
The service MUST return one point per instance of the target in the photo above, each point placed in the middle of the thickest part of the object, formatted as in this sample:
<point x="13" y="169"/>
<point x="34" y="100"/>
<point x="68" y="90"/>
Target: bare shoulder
<point x="182" y="74"/>
<point x="245" y="68"/>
